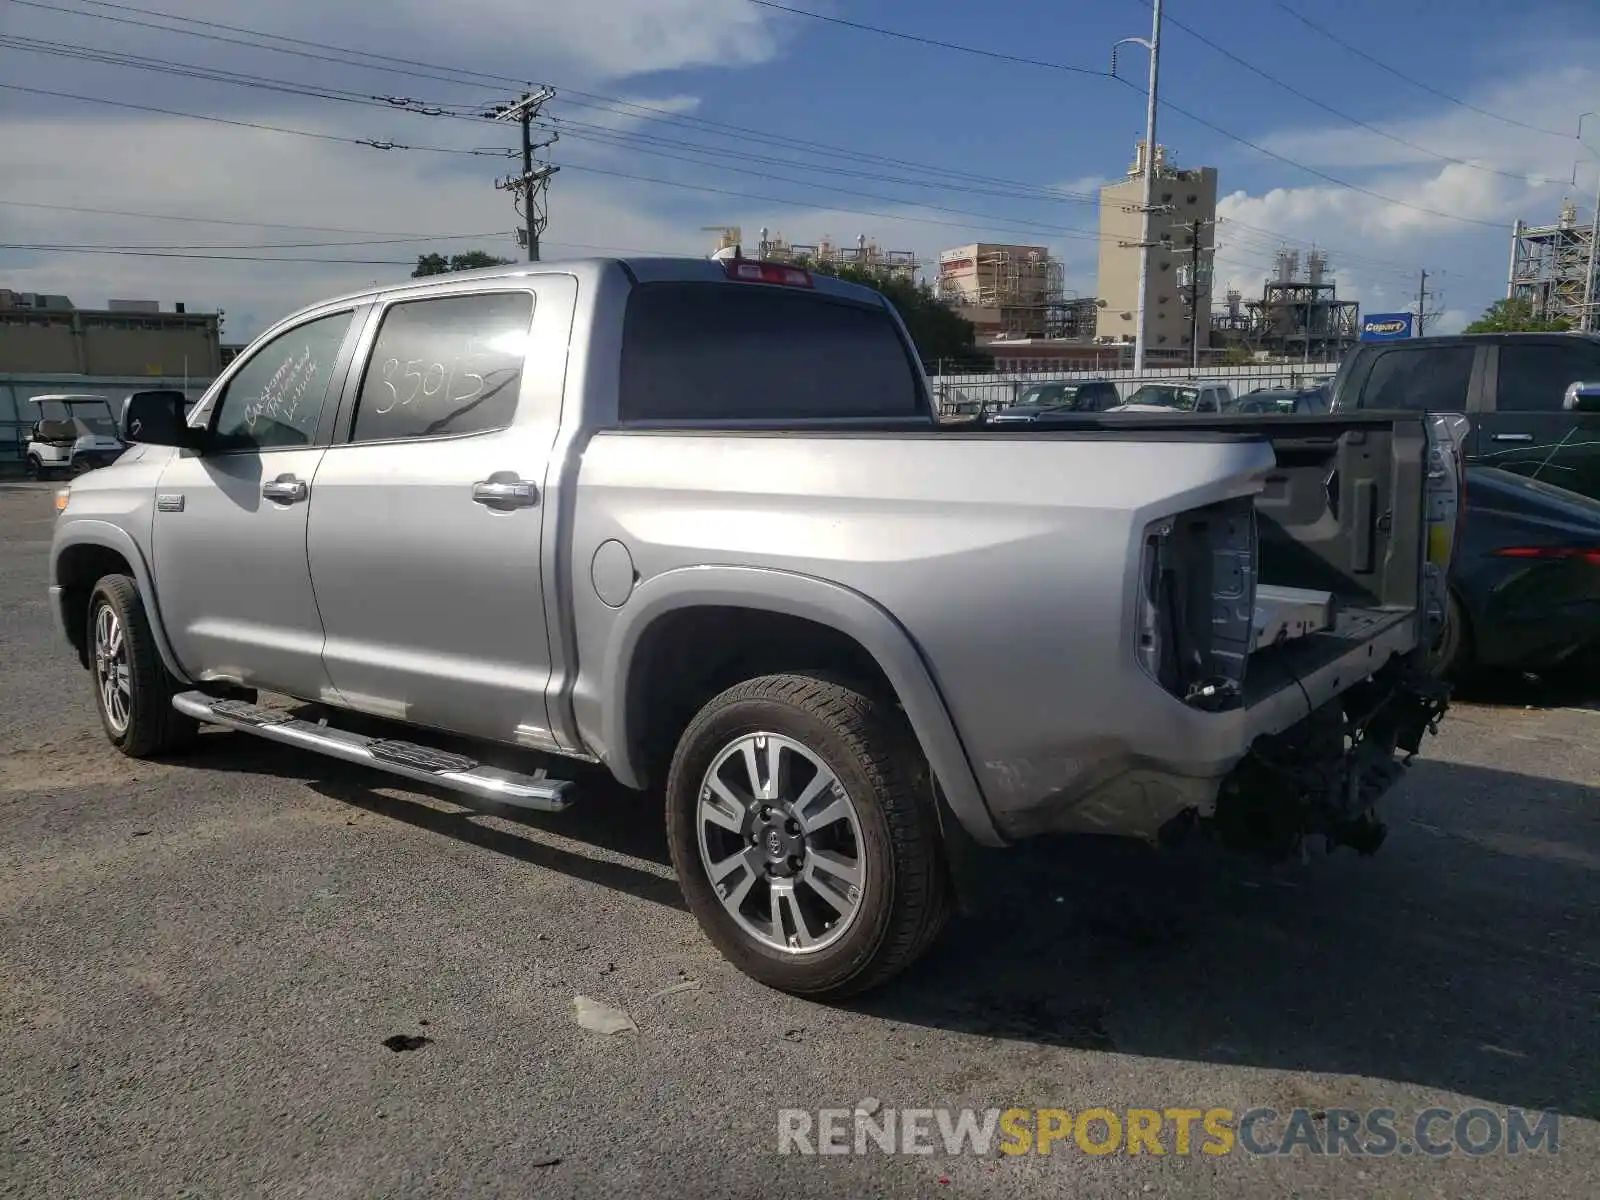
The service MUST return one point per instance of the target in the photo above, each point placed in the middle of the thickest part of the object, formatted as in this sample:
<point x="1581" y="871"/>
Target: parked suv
<point x="1044" y="400"/>
<point x="1515" y="387"/>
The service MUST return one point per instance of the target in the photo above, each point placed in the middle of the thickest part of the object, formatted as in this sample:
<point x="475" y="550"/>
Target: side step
<point x="455" y="771"/>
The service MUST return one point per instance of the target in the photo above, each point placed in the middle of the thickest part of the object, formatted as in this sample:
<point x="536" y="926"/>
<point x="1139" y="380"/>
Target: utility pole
<point x="1422" y="303"/>
<point x="1587" y="324"/>
<point x="534" y="182"/>
<point x="1196" y="277"/>
<point x="1147" y="208"/>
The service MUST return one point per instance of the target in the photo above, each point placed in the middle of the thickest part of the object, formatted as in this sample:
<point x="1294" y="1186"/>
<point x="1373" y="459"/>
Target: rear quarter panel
<point x="1009" y="563"/>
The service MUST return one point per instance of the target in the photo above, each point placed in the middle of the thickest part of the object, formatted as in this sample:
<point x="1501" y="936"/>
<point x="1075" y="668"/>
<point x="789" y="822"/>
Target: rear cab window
<point x="713" y="351"/>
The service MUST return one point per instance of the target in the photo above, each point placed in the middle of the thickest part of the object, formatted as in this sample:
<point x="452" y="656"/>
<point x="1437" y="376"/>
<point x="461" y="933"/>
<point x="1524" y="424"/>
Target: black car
<point x="1525" y="585"/>
<point x="1048" y="399"/>
<point x="1516" y="388"/>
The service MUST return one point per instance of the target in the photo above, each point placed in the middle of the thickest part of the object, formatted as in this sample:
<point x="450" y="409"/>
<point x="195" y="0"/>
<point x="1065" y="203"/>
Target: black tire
<point x="1451" y="655"/>
<point x="34" y="469"/>
<point x="151" y="726"/>
<point x="866" y="744"/>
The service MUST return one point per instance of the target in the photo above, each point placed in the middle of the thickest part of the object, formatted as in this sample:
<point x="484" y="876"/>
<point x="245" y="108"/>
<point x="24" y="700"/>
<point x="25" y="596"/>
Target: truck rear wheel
<point x="133" y="690"/>
<point x="801" y="838"/>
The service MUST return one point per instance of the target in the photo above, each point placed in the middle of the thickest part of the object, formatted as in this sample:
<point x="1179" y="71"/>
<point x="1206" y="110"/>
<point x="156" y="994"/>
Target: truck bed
<point x="939" y="526"/>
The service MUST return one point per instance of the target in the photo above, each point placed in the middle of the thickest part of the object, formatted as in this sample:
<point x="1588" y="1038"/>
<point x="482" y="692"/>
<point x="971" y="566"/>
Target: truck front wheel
<point x="804" y="837"/>
<point x="132" y="688"/>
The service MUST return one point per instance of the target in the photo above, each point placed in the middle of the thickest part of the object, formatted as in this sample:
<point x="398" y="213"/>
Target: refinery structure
<point x="1553" y="269"/>
<point x="1299" y="314"/>
<point x="774" y="247"/>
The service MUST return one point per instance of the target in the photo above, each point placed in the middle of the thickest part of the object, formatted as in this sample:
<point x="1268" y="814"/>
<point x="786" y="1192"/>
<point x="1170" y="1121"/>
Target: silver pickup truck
<point x="696" y="522"/>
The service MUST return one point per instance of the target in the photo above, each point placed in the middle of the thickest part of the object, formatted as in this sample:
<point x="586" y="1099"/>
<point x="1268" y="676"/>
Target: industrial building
<point x="1298" y="316"/>
<point x="1183" y="196"/>
<point x="774" y="247"/>
<point x="1005" y="291"/>
<point x="1554" y="269"/>
<point x="48" y="334"/>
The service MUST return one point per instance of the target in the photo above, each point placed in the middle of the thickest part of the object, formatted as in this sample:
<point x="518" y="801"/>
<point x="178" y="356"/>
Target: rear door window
<point x="1420" y="379"/>
<point x="444" y="366"/>
<point x="1534" y="376"/>
<point x="732" y="351"/>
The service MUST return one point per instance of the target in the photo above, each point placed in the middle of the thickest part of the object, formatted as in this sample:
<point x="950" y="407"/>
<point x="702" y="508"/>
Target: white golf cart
<point x="72" y="434"/>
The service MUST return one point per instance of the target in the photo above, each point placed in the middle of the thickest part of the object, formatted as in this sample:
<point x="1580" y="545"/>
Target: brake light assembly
<point x="744" y="270"/>
<point x="1586" y="554"/>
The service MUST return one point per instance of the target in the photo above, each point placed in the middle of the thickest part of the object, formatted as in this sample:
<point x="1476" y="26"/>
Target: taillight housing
<point x="1590" y="555"/>
<point x="1195" y="608"/>
<point x="747" y="271"/>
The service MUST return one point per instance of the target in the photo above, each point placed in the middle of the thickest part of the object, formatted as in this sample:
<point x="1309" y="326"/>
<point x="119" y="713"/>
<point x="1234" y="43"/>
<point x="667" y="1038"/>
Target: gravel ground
<point x="200" y="962"/>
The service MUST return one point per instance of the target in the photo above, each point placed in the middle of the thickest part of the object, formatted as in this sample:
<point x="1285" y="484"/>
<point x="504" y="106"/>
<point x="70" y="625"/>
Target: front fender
<point x="806" y="597"/>
<point x="90" y="532"/>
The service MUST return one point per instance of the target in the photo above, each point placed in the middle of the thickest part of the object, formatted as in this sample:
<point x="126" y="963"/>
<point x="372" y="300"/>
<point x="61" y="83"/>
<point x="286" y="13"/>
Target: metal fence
<point x="986" y="392"/>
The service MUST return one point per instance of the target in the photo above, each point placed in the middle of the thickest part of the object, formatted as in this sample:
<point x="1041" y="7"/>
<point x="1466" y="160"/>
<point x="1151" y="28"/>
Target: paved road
<point x="200" y="962"/>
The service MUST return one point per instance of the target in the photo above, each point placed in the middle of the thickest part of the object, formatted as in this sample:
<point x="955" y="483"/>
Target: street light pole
<point x="1588" y="323"/>
<point x="1148" y="206"/>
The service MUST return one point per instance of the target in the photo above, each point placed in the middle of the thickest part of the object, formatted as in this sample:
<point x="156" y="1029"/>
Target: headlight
<point x="62" y="496"/>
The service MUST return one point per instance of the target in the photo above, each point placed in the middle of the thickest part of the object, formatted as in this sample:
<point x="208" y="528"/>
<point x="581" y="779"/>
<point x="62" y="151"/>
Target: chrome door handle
<point x="285" y="489"/>
<point x="505" y="493"/>
<point x="1513" y="437"/>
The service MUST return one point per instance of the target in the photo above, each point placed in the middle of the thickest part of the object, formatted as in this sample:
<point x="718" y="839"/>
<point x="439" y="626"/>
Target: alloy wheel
<point x="781" y="843"/>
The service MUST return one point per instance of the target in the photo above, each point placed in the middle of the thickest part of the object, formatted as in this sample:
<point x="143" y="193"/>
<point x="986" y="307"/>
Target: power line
<point x="437" y="237"/>
<point x="990" y="226"/>
<point x="1413" y="81"/>
<point x="461" y="77"/>
<point x="366" y="262"/>
<point x="373" y="143"/>
<point x="1344" y="116"/>
<point x="1333" y="179"/>
<point x="198" y="220"/>
<point x="997" y="55"/>
<point x="1062" y="230"/>
<point x="421" y="69"/>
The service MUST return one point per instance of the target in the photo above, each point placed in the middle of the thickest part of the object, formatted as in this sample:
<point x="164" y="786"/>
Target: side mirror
<point x="1582" y="397"/>
<point x="156" y="418"/>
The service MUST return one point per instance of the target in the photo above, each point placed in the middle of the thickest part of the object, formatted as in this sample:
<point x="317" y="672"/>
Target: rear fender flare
<point x="811" y="599"/>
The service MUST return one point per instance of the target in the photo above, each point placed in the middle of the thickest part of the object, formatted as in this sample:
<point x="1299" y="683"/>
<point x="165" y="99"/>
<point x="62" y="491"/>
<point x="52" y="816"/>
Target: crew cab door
<point x="1525" y="429"/>
<point x="229" y="532"/>
<point x="431" y="510"/>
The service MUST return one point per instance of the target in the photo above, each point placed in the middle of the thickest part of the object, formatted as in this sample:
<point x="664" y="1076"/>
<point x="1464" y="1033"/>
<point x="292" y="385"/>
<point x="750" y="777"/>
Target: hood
<point x="1150" y="408"/>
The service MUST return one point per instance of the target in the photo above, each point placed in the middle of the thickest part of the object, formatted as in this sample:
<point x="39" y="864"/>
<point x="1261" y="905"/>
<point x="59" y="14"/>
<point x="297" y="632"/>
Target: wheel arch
<point x="85" y="552"/>
<point x="749" y="621"/>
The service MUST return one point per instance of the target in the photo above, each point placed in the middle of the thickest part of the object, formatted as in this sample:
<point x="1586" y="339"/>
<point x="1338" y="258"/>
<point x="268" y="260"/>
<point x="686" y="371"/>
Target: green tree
<point x="1516" y="316"/>
<point x="438" y="264"/>
<point x="939" y="332"/>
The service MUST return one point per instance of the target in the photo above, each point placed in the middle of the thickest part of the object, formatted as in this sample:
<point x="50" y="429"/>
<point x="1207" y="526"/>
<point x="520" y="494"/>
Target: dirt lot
<point x="200" y="962"/>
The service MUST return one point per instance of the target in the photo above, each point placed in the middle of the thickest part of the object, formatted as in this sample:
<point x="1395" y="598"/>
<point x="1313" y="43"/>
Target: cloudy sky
<point x="1411" y="146"/>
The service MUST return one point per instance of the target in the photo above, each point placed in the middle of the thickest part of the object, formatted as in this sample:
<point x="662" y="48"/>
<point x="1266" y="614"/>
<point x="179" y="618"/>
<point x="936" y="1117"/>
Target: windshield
<point x="1166" y="396"/>
<point x="1048" y="396"/>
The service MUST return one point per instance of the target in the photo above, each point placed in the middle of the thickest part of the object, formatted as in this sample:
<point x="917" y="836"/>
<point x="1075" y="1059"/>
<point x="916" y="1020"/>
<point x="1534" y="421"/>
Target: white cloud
<point x="1379" y="245"/>
<point x="200" y="171"/>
